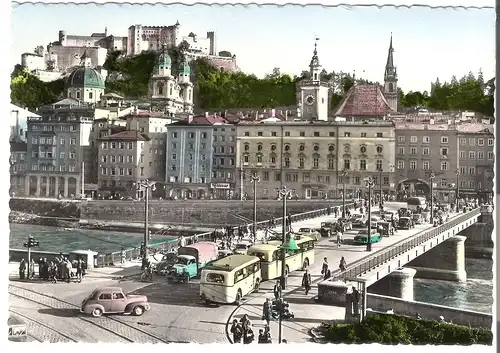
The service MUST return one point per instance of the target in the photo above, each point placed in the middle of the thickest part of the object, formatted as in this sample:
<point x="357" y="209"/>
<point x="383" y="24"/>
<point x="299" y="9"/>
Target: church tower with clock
<point x="313" y="93"/>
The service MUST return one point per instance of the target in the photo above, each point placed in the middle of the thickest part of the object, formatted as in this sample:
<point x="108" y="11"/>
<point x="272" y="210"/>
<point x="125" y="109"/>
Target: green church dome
<point x="164" y="60"/>
<point x="85" y="77"/>
<point x="184" y="68"/>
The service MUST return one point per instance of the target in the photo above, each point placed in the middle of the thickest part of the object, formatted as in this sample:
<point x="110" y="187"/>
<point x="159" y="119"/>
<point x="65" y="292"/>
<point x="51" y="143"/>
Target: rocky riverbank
<point x="28" y="218"/>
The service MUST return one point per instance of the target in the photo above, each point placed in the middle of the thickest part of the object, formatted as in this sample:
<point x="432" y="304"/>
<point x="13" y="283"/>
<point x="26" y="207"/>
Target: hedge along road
<point x="312" y="314"/>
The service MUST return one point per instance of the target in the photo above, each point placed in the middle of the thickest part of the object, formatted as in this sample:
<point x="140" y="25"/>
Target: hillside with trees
<point x="215" y="89"/>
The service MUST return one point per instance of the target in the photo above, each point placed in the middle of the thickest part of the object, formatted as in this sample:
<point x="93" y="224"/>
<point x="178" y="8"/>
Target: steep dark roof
<point x="16" y="146"/>
<point x="363" y="100"/>
<point x="129" y="135"/>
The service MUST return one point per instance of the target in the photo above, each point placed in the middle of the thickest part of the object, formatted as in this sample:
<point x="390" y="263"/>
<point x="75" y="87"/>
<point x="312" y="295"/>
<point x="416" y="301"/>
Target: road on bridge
<point x="177" y="313"/>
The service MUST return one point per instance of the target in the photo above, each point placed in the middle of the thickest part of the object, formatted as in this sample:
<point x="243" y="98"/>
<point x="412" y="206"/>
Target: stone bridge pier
<point x="398" y="284"/>
<point x="444" y="262"/>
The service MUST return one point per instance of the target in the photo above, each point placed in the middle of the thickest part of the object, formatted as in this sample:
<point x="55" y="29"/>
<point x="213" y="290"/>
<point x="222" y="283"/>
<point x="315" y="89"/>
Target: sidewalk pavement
<point x="308" y="313"/>
<point x="130" y="268"/>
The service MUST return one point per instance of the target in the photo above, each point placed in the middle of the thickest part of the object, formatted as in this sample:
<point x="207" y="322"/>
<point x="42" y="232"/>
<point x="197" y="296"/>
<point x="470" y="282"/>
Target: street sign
<point x="391" y="185"/>
<point x="220" y="186"/>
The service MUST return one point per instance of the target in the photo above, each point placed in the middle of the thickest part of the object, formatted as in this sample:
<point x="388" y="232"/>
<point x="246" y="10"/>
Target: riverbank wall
<point x="188" y="213"/>
<point x="381" y="304"/>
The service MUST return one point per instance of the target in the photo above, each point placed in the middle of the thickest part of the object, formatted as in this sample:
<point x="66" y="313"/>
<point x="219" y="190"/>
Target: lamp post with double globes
<point x="431" y="179"/>
<point x="369" y="184"/>
<point x="344" y="176"/>
<point x="284" y="193"/>
<point x="147" y="185"/>
<point x="255" y="179"/>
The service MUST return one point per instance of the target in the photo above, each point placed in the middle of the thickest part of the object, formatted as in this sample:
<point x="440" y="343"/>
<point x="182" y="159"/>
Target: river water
<point x="57" y="239"/>
<point x="475" y="294"/>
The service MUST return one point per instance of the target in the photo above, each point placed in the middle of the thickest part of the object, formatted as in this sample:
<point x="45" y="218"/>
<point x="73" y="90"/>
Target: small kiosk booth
<point x="89" y="256"/>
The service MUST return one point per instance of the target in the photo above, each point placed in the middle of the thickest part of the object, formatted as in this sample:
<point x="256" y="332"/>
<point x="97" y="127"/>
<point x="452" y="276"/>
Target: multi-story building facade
<point x="190" y="157"/>
<point x="56" y="143"/>
<point x="18" y="150"/>
<point x="422" y="149"/>
<point x="121" y="163"/>
<point x="224" y="161"/>
<point x="18" y="122"/>
<point x="315" y="158"/>
<point x="476" y="160"/>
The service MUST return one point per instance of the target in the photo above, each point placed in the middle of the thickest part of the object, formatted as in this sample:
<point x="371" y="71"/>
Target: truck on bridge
<point x="192" y="259"/>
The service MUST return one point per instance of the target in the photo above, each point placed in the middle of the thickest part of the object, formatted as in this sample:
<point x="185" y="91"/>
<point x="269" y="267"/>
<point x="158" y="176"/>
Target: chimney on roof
<point x="286" y="115"/>
<point x="256" y="115"/>
<point x="207" y="114"/>
<point x="136" y="111"/>
<point x="271" y="113"/>
<point x="190" y="118"/>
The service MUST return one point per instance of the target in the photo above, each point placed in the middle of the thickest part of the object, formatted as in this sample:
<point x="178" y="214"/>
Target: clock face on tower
<point x="309" y="100"/>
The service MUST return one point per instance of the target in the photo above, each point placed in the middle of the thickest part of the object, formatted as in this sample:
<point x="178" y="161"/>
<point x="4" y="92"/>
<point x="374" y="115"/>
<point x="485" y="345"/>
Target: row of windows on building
<point x="363" y="163"/>
<point x="317" y="134"/>
<point x="78" y="95"/>
<point x="49" y="128"/>
<point x="51" y="168"/>
<point x="445" y="140"/>
<point x="426" y="165"/>
<point x="119" y="145"/>
<point x="444" y="152"/>
<point x="120" y="171"/>
<point x="320" y="179"/>
<point x="204" y="135"/>
<point x="316" y="148"/>
<point x="52" y="141"/>
<point x="52" y="155"/>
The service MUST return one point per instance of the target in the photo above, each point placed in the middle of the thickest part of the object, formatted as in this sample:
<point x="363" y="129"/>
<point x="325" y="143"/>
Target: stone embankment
<point x="189" y="213"/>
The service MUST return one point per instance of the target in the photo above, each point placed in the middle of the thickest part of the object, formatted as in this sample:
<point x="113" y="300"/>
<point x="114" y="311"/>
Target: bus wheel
<point x="257" y="285"/>
<point x="238" y="297"/>
<point x="306" y="264"/>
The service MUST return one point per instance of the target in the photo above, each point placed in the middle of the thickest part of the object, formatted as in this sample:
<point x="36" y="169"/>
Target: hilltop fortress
<point x="60" y="57"/>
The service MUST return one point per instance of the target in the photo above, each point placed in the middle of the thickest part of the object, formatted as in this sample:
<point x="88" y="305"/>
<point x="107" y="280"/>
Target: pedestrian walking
<point x="277" y="290"/>
<point x="267" y="311"/>
<point x="22" y="269"/>
<point x="324" y="268"/>
<point x="79" y="266"/>
<point x="339" y="237"/>
<point x="237" y="331"/>
<point x="306" y="281"/>
<point x="342" y="264"/>
<point x="328" y="274"/>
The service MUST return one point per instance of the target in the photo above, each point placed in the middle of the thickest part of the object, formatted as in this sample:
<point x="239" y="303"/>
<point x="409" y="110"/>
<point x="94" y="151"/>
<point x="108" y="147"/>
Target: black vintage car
<point x="405" y="223"/>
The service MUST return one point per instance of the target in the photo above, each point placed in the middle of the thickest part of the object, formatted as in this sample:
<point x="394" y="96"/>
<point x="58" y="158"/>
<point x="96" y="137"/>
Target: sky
<point x="428" y="43"/>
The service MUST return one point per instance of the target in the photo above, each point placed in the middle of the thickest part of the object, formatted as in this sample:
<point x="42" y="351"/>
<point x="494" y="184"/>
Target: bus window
<point x="276" y="255"/>
<point x="260" y="255"/>
<point x="256" y="267"/>
<point x="238" y="276"/>
<point x="215" y="278"/>
<point x="250" y="269"/>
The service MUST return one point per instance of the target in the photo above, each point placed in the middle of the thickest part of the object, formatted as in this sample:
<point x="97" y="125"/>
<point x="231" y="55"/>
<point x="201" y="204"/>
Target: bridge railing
<point x="134" y="253"/>
<point x="403" y="246"/>
<point x="295" y="218"/>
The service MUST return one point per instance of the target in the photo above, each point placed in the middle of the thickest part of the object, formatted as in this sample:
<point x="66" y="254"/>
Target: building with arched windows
<point x="315" y="158"/>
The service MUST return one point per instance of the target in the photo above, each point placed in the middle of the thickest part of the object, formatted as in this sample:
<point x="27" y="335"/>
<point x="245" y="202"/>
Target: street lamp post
<point x="457" y="172"/>
<point x="284" y="193"/>
<point x="344" y="175"/>
<point x="431" y="178"/>
<point x="147" y="185"/>
<point x="380" y="202"/>
<point x="255" y="179"/>
<point x="369" y="183"/>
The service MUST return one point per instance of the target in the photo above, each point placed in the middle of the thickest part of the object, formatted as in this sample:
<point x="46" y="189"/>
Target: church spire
<point x="390" y="69"/>
<point x="315" y="60"/>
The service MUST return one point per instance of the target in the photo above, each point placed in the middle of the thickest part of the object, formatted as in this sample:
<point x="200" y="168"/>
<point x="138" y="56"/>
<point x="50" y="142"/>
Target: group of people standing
<point x="61" y="268"/>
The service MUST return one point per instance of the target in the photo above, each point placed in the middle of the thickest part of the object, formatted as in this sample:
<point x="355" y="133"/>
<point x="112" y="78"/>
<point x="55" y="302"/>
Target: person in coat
<point x="267" y="311"/>
<point x="306" y="282"/>
<point x="237" y="331"/>
<point x="22" y="269"/>
<point x="277" y="290"/>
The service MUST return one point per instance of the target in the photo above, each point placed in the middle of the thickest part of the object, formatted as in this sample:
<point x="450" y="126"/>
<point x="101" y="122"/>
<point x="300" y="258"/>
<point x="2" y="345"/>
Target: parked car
<point x="358" y="220"/>
<point x="363" y="235"/>
<point x="326" y="227"/>
<point x="242" y="247"/>
<point x="405" y="223"/>
<point x="386" y="228"/>
<point x="389" y="215"/>
<point x="112" y="300"/>
<point x="310" y="232"/>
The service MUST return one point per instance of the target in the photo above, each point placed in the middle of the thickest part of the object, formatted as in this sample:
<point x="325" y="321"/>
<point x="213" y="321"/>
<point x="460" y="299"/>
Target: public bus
<point x="270" y="256"/>
<point x="229" y="279"/>
<point x="414" y="202"/>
